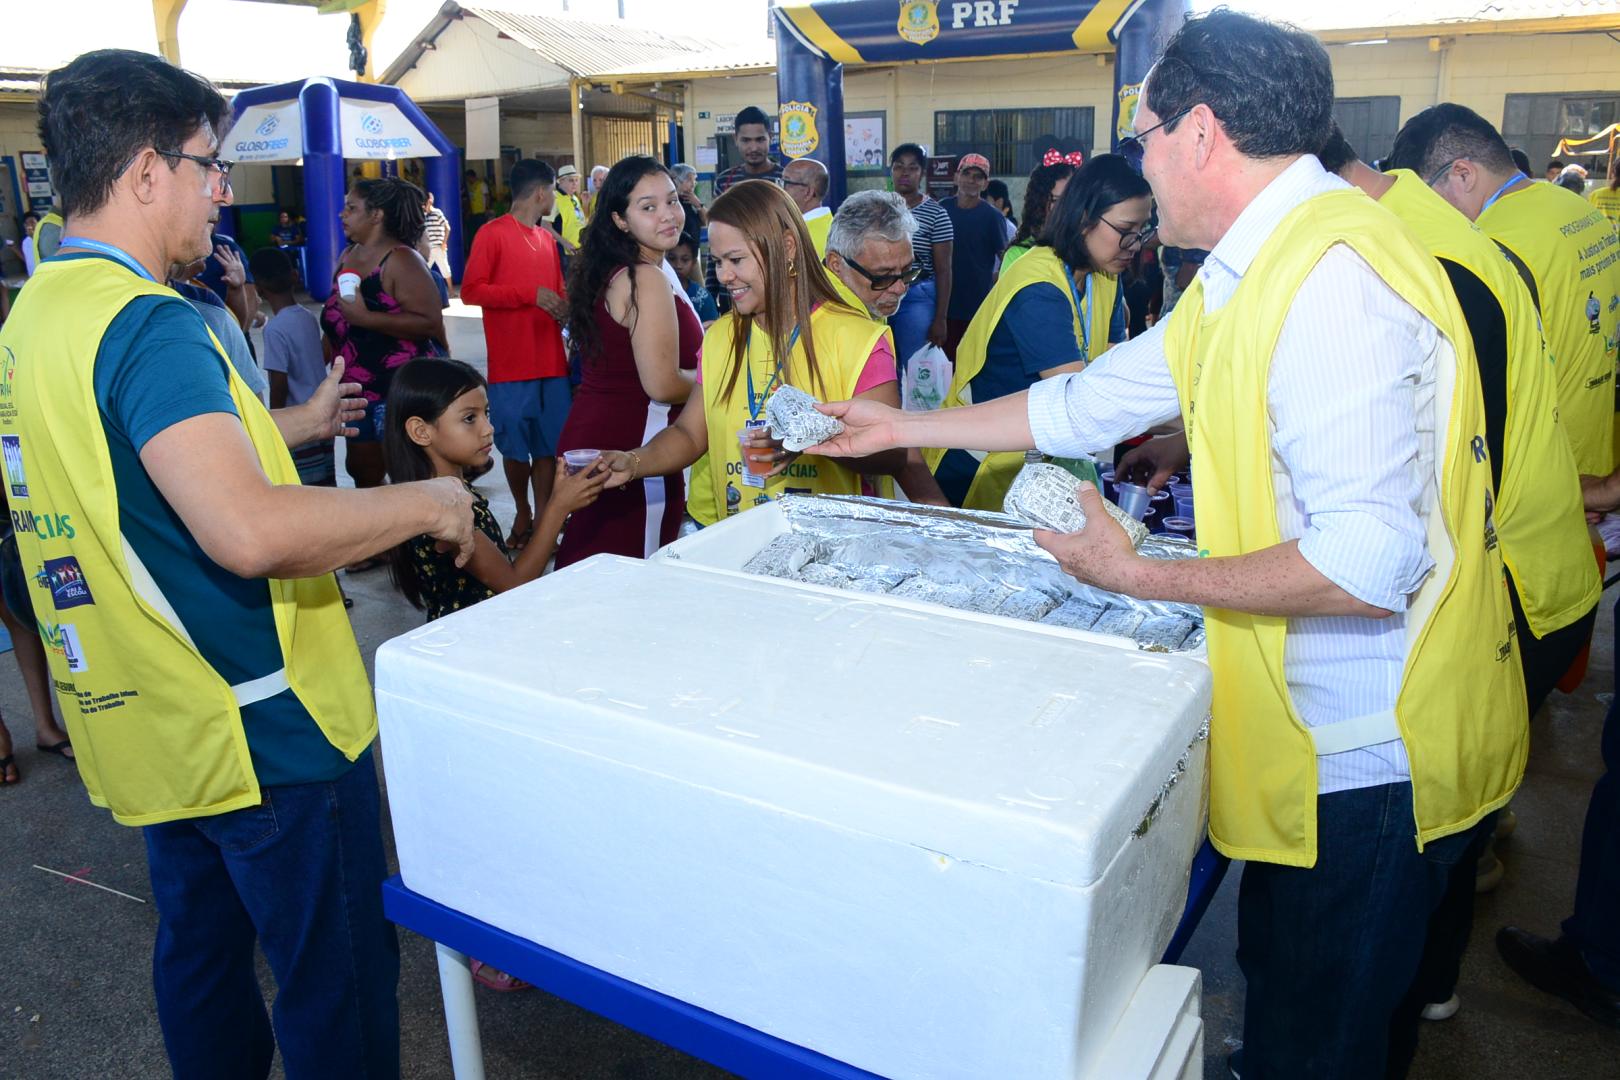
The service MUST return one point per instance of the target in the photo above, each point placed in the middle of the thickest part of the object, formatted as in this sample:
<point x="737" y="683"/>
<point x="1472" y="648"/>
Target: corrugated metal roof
<point x="1318" y="18"/>
<point x="755" y="56"/>
<point x="20" y="80"/>
<point x="1393" y="14"/>
<point x="582" y="47"/>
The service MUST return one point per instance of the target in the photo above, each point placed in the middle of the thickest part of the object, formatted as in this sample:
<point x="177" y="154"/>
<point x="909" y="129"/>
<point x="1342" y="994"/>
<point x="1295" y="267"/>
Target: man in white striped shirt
<point x="1357" y="393"/>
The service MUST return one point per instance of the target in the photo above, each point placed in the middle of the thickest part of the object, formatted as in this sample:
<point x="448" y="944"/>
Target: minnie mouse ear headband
<point x="1058" y="157"/>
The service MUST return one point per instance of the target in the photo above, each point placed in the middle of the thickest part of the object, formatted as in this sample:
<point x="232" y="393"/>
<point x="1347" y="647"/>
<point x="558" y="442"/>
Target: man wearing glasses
<point x="868" y="252"/>
<point x="1054" y="311"/>
<point x="1570" y="262"/>
<point x="1368" y="708"/>
<point x="1563" y="241"/>
<point x="202" y="660"/>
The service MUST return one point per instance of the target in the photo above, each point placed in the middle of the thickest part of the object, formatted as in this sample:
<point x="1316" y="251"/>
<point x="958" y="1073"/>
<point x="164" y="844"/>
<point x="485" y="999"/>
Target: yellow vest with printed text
<point x="1607" y="200"/>
<point x="1539" y="516"/>
<point x="844" y="342"/>
<point x="1460" y="710"/>
<point x="1573" y="253"/>
<point x="157" y="731"/>
<point x="1040" y="265"/>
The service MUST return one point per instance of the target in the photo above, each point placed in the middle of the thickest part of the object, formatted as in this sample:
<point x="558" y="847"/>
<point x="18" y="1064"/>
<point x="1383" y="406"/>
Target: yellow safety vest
<point x="573" y="217"/>
<point x="1574" y="255"/>
<point x="1607" y="200"/>
<point x="158" y="733"/>
<point x="1540" y="519"/>
<point x="1040" y="265"/>
<point x="50" y="218"/>
<point x="844" y="342"/>
<point x="1460" y="711"/>
<point x="1014" y="253"/>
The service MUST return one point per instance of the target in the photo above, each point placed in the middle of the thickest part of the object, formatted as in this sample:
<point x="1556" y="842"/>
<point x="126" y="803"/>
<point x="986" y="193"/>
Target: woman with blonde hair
<point x="786" y="327"/>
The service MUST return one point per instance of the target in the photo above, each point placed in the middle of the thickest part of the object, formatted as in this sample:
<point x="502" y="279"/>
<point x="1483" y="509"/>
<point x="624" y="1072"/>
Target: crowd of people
<point x="1394" y="384"/>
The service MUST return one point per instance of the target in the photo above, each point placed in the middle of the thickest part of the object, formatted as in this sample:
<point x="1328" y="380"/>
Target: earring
<point x="792" y="272"/>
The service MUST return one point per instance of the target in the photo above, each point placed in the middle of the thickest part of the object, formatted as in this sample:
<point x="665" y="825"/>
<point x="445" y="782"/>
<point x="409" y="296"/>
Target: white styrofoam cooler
<point x="925" y="843"/>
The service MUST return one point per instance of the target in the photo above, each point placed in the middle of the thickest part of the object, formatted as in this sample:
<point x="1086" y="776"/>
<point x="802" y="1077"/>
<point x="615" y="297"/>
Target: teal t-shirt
<point x="155" y="368"/>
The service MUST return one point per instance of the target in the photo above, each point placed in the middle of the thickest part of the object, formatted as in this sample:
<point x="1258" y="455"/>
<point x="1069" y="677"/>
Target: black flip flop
<point x="8" y="762"/>
<point x="57" y="749"/>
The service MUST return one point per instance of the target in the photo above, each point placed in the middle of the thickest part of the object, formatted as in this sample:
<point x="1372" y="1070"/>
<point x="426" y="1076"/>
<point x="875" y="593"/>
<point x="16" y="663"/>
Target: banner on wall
<point x="37" y="180"/>
<point x="378" y="131"/>
<point x="270" y="134"/>
<point x="868" y="31"/>
<point x="814" y="42"/>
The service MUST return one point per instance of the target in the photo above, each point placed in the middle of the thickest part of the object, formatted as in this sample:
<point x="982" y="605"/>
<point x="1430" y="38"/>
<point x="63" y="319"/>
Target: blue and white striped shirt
<point x="1351" y="405"/>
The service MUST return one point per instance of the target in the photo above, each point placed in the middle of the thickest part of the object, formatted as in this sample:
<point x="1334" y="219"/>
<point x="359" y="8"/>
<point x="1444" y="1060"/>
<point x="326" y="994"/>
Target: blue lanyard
<point x="1087" y="311"/>
<point x="1514" y="179"/>
<point x="756" y="405"/>
<point x="110" y="250"/>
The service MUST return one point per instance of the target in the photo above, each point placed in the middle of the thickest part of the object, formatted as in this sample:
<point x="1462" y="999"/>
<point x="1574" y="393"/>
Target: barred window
<point x="1369" y="124"/>
<point x="1013" y="139"/>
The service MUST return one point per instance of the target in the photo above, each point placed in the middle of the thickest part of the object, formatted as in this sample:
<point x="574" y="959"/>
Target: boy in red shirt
<point x="514" y="274"/>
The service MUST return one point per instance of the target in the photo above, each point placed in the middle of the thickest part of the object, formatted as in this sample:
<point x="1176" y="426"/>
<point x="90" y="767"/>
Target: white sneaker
<point x="1442" y="1010"/>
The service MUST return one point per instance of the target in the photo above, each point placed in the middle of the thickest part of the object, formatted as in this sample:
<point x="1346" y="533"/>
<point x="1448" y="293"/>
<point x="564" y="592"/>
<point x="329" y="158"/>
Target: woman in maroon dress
<point x="639" y="339"/>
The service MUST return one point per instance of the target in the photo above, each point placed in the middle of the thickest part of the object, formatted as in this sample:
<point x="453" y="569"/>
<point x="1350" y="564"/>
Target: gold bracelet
<point x="635" y="466"/>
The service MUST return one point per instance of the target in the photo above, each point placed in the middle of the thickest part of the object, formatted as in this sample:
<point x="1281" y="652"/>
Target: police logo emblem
<point x="919" y="21"/>
<point x="799" y="135"/>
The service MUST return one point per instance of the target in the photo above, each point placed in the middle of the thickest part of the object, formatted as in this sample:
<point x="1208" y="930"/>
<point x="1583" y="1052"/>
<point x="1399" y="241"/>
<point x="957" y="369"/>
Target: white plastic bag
<point x="927" y="380"/>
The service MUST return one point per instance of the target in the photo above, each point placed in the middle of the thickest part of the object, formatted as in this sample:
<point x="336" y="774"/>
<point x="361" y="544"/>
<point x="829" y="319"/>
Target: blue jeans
<point x="302" y="873"/>
<point x="1329" y="952"/>
<point x="1593" y="928"/>
<point x="911" y="322"/>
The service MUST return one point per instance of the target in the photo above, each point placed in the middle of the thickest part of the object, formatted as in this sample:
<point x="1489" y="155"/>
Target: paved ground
<point x="76" y="1001"/>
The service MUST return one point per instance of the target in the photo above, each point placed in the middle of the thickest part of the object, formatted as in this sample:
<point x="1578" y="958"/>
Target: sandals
<point x="59" y="749"/>
<point x="499" y="981"/>
<point x="8" y="764"/>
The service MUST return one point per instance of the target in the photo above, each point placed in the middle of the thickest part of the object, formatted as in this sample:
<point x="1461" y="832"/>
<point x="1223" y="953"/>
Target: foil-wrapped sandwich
<point x="1048" y="497"/>
<point x="794" y="419"/>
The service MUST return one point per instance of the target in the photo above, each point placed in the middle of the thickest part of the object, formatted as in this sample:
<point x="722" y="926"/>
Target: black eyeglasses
<point x="1131" y="148"/>
<point x="880" y="282"/>
<point x="1440" y="173"/>
<point x="221" y="164"/>
<point x="1129" y="240"/>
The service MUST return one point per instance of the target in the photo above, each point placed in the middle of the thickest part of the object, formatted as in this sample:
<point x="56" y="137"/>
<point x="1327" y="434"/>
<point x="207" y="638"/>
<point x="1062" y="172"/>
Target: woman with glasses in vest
<point x="1054" y="310"/>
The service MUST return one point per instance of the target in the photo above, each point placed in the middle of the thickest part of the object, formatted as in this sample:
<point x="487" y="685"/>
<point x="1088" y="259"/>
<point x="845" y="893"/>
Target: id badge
<point x="751" y="478"/>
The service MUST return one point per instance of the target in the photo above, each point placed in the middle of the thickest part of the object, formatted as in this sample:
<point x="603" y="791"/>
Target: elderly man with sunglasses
<point x="202" y="659"/>
<point x="868" y="252"/>
<point x="1368" y="707"/>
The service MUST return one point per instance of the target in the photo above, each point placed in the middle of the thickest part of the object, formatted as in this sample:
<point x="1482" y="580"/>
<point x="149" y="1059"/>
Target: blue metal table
<point x="705" y="1035"/>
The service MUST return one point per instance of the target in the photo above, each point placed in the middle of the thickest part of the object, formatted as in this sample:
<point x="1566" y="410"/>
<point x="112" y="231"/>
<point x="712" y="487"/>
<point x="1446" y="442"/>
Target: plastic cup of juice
<point x="348" y="284"/>
<point x="745" y="441"/>
<point x="577" y="461"/>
